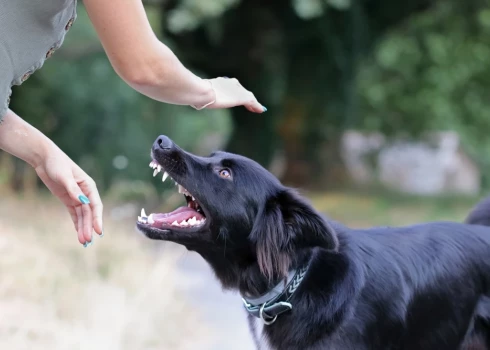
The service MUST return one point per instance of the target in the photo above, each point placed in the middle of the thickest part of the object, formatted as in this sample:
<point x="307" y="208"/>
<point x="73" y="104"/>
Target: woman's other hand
<point x="60" y="174"/>
<point x="76" y="190"/>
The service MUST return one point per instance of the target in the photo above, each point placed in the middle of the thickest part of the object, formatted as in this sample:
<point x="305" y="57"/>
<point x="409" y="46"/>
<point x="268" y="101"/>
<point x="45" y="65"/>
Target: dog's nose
<point x="163" y="142"/>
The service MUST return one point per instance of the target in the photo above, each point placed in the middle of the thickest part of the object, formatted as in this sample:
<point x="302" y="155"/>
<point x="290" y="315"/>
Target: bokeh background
<point x="378" y="111"/>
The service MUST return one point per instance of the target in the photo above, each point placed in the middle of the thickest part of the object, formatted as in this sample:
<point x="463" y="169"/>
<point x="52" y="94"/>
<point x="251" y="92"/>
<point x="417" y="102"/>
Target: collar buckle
<point x="275" y="302"/>
<point x="268" y="320"/>
<point x="268" y="313"/>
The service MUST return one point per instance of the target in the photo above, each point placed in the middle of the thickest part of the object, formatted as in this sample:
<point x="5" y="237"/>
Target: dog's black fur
<point x="419" y="287"/>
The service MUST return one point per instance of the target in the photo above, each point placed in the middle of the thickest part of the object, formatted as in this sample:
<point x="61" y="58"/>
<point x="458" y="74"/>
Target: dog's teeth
<point x="184" y="223"/>
<point x="159" y="167"/>
<point x="151" y="164"/>
<point x="143" y="214"/>
<point x="181" y="189"/>
<point x="139" y="219"/>
<point x="164" y="177"/>
<point x="155" y="172"/>
<point x="193" y="198"/>
<point x="192" y="221"/>
<point x="150" y="219"/>
<point x="175" y="223"/>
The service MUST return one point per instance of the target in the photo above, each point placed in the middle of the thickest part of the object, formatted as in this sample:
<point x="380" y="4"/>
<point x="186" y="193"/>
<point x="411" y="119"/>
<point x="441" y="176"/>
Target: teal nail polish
<point x="102" y="234"/>
<point x="83" y="199"/>
<point x="265" y="109"/>
<point x="87" y="244"/>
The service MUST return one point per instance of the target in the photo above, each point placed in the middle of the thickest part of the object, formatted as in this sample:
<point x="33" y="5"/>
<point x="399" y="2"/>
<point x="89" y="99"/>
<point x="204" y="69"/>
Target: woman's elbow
<point x="142" y="77"/>
<point x="143" y="74"/>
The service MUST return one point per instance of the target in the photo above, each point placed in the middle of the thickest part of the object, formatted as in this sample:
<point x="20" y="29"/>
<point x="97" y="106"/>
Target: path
<point x="222" y="310"/>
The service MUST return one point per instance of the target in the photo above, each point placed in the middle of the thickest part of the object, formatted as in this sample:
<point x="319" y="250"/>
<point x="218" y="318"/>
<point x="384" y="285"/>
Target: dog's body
<point x="421" y="287"/>
<point x="392" y="288"/>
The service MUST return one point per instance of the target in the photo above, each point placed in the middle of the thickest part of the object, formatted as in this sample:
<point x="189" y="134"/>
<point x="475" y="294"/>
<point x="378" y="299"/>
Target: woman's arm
<point x="22" y="140"/>
<point x="60" y="174"/>
<point x="150" y="67"/>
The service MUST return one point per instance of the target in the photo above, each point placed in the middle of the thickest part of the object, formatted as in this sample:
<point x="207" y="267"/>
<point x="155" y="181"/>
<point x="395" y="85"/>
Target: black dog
<point x="310" y="283"/>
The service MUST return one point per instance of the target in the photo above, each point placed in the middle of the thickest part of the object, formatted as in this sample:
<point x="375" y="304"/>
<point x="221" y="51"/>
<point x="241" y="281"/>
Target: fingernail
<point x="83" y="199"/>
<point x="87" y="244"/>
<point x="102" y="234"/>
<point x="265" y="109"/>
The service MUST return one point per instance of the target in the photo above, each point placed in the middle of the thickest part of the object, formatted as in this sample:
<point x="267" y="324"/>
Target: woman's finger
<point x="81" y="237"/>
<point x="253" y="105"/>
<point x="251" y="102"/>
<point x="90" y="189"/>
<point x="74" y="190"/>
<point x="74" y="216"/>
<point x="87" y="222"/>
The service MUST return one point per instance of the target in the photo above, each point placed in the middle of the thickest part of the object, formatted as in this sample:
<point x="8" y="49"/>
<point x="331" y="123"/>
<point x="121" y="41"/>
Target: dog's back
<point x="478" y="336"/>
<point x="480" y="214"/>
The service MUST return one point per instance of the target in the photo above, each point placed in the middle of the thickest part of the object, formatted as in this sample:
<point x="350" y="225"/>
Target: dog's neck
<point x="235" y="273"/>
<point x="240" y="271"/>
<point x="277" y="300"/>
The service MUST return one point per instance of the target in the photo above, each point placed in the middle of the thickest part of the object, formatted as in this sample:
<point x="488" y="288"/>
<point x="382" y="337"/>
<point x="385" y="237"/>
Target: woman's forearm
<point x="161" y="76"/>
<point x="140" y="58"/>
<point x="22" y="140"/>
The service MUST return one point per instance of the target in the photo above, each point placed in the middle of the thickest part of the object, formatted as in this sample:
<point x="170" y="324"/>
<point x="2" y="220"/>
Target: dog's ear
<point x="285" y="223"/>
<point x="272" y="240"/>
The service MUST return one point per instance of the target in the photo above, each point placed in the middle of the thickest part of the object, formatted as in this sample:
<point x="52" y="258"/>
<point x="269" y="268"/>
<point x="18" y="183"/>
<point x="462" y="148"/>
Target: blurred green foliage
<point x="433" y="73"/>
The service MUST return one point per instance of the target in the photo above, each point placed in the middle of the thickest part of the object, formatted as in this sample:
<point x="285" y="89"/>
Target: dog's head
<point x="235" y="209"/>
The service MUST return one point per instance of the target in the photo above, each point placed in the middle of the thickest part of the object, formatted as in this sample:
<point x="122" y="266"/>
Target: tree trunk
<point x="312" y="159"/>
<point x="253" y="136"/>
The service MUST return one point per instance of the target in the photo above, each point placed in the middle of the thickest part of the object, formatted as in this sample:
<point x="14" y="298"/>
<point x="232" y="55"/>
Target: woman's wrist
<point x="207" y="97"/>
<point x="22" y="140"/>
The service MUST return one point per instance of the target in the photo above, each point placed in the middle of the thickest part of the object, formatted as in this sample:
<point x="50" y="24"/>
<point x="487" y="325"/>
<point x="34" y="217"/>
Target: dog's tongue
<point x="178" y="216"/>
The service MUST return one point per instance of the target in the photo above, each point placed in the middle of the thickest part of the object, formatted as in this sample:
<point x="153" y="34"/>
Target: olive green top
<point x="30" y="32"/>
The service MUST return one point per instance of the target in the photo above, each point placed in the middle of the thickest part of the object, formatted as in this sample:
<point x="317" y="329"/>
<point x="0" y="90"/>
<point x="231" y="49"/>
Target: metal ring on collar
<point x="261" y="313"/>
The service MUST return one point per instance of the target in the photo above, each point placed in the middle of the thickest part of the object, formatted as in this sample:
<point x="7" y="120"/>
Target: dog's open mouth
<point x="185" y="217"/>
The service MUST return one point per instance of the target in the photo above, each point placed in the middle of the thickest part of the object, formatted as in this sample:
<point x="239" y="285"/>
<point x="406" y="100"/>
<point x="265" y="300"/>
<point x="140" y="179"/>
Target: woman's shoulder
<point x="30" y="32"/>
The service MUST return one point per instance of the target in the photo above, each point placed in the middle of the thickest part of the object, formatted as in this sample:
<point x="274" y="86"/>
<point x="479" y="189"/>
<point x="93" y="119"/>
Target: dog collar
<point x="275" y="302"/>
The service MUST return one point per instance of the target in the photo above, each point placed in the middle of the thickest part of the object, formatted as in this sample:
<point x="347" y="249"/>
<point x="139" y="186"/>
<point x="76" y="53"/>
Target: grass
<point x="121" y="293"/>
<point x="364" y="209"/>
<point x="117" y="294"/>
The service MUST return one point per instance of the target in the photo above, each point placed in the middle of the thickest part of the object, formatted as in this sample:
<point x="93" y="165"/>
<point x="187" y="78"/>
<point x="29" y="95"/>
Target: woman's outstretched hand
<point x="230" y="93"/>
<point x="76" y="190"/>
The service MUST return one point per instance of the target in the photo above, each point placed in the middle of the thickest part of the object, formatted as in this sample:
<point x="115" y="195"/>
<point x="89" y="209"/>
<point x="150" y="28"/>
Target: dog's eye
<point x="225" y="173"/>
